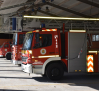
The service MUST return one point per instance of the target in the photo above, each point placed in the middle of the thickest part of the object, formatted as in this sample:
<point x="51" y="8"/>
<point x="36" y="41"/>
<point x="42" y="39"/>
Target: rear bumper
<point x="27" y="68"/>
<point x="16" y="62"/>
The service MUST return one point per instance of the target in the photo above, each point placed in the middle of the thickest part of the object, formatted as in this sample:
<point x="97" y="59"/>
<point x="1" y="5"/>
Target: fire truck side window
<point x="21" y="38"/>
<point x="6" y="45"/>
<point x="43" y="40"/>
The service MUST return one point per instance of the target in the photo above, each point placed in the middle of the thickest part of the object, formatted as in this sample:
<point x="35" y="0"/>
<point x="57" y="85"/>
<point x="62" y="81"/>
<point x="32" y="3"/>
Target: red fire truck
<point x="16" y="47"/>
<point x="51" y="53"/>
<point x="5" y="50"/>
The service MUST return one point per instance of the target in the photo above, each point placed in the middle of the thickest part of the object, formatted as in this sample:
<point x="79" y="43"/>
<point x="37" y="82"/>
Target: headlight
<point x="30" y="51"/>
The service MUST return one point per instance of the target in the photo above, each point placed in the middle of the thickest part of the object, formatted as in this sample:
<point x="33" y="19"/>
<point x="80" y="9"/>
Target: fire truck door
<point x="43" y="47"/>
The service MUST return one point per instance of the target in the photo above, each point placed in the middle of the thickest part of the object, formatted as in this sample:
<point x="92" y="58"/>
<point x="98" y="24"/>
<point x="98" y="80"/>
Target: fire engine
<point x="51" y="52"/>
<point x="5" y="50"/>
<point x="16" y="47"/>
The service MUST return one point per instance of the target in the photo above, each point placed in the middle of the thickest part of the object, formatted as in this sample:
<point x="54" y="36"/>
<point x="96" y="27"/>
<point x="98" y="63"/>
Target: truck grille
<point x="24" y="59"/>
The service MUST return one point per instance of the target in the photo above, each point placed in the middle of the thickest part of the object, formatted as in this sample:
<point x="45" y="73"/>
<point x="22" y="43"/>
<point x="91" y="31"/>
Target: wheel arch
<point x="6" y="53"/>
<point x="53" y="60"/>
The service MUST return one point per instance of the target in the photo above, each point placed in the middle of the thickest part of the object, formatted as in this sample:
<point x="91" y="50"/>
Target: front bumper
<point x="27" y="68"/>
<point x="16" y="62"/>
<point x="1" y="56"/>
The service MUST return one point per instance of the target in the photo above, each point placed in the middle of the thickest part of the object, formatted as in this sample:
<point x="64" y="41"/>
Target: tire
<point x="8" y="56"/>
<point x="54" y="71"/>
<point x="43" y="75"/>
<point x="19" y="65"/>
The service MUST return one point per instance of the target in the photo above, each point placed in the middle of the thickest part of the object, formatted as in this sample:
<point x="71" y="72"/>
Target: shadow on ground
<point x="72" y="79"/>
<point x="16" y="77"/>
<point x="14" y="90"/>
<point x="9" y="66"/>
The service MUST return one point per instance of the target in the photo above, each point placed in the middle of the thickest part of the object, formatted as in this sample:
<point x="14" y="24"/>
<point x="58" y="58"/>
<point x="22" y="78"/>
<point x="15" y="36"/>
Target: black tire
<point x="54" y="71"/>
<point x="8" y="56"/>
<point x="43" y="75"/>
<point x="19" y="65"/>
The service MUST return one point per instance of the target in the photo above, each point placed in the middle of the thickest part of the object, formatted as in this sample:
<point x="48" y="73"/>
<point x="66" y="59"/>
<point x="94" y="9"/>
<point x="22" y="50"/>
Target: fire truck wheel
<point x="54" y="71"/>
<point x="8" y="56"/>
<point x="19" y="65"/>
<point x="43" y="75"/>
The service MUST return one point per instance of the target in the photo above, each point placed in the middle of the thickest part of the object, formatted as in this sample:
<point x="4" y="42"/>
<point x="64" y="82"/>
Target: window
<point x="43" y="40"/>
<point x="95" y="37"/>
<point x="27" y="41"/>
<point x="6" y="45"/>
<point x="21" y="38"/>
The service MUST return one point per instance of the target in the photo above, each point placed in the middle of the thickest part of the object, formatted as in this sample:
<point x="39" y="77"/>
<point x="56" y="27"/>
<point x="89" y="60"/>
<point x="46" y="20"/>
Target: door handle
<point x="51" y="52"/>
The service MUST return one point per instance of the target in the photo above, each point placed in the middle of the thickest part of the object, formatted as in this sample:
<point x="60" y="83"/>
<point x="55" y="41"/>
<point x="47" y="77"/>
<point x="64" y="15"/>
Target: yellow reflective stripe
<point x="92" y="51"/>
<point x="48" y="56"/>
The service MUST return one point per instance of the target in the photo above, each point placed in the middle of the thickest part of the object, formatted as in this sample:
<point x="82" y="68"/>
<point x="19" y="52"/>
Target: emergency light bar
<point x="62" y="18"/>
<point x="77" y="30"/>
<point x="50" y="30"/>
<point x="37" y="30"/>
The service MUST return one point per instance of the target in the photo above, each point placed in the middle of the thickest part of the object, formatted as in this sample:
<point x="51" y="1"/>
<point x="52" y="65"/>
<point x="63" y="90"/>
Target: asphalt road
<point x="12" y="78"/>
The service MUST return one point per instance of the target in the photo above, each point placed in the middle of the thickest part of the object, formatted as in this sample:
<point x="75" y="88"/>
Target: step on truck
<point x="16" y="47"/>
<point x="5" y="50"/>
<point x="51" y="53"/>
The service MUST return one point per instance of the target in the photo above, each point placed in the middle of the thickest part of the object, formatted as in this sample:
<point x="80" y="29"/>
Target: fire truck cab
<point x="16" y="47"/>
<point x="51" y="53"/>
<point x="5" y="50"/>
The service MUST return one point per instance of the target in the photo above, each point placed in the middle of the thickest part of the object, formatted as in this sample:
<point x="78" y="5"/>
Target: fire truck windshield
<point x="1" y="45"/>
<point x="27" y="41"/>
<point x="15" y="39"/>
